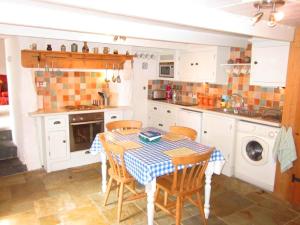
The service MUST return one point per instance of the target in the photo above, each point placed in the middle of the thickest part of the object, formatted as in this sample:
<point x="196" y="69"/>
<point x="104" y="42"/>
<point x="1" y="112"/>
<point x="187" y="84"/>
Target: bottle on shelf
<point x="85" y="47"/>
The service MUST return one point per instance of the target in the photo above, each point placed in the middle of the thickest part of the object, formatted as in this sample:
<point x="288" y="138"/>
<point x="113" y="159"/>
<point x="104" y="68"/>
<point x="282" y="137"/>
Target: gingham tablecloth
<point x="148" y="162"/>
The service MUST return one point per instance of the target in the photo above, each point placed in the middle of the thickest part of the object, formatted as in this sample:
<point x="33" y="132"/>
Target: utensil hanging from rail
<point x="118" y="77"/>
<point x="106" y="77"/>
<point x="114" y="78"/>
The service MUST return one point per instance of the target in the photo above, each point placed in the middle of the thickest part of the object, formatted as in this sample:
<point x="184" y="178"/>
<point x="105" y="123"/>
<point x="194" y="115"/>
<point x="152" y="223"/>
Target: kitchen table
<point x="149" y="162"/>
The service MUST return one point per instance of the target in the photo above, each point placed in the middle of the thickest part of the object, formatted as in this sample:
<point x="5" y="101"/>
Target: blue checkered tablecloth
<point x="148" y="162"/>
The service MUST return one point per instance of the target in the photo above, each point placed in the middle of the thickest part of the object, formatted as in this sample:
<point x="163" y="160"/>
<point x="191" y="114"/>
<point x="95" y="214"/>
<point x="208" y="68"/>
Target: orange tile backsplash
<point x="68" y="88"/>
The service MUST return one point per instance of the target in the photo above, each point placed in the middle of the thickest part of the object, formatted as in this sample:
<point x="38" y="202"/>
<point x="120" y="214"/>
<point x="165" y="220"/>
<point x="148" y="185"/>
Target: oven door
<point x="82" y="134"/>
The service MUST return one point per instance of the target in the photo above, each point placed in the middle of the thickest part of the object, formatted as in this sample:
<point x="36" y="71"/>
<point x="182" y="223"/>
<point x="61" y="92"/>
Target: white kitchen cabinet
<point x="58" y="149"/>
<point x="269" y="63"/>
<point x="143" y="70"/>
<point x="112" y="115"/>
<point x="219" y="131"/>
<point x="161" y="116"/>
<point x="204" y="65"/>
<point x="191" y="119"/>
<point x="57" y="145"/>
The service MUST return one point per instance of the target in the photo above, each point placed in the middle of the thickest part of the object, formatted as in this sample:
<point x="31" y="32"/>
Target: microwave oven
<point x="166" y="69"/>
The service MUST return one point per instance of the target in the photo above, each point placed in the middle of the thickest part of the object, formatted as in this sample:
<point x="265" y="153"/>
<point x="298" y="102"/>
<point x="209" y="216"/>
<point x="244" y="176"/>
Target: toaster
<point x="158" y="94"/>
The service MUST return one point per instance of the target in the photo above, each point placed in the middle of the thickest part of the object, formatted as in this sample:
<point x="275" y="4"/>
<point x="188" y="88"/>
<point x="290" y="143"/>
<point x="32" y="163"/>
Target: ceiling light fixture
<point x="274" y="17"/>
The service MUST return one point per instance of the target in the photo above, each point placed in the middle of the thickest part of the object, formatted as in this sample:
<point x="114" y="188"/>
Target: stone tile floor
<point x="73" y="197"/>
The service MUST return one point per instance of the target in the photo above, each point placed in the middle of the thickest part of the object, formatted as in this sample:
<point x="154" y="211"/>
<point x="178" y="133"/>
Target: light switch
<point x="145" y="66"/>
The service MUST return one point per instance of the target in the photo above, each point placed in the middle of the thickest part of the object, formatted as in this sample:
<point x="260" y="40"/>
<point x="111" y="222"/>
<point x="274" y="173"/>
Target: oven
<point x="83" y="129"/>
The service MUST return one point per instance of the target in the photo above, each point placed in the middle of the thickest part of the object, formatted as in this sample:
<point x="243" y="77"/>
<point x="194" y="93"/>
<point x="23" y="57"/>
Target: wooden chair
<point x="119" y="174"/>
<point x="183" y="184"/>
<point x="124" y="124"/>
<point x="185" y="131"/>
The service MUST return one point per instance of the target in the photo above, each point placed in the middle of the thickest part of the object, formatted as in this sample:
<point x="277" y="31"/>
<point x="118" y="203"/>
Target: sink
<point x="242" y="112"/>
<point x="186" y="104"/>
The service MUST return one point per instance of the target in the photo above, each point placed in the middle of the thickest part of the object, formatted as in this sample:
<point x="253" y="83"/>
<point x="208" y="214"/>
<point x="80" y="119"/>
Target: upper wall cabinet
<point x="269" y="63"/>
<point x="204" y="65"/>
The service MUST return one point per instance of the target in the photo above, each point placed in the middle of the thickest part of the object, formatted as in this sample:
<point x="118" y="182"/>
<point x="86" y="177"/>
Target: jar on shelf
<point x="49" y="48"/>
<point x="63" y="48"/>
<point x="74" y="47"/>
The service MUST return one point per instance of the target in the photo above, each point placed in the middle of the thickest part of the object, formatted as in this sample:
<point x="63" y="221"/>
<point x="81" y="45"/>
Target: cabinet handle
<point x="161" y="125"/>
<point x="155" y="108"/>
<point x="192" y="64"/>
<point x="196" y="64"/>
<point x="113" y="117"/>
<point x="168" y="111"/>
<point x="255" y="62"/>
<point x="205" y="132"/>
<point x="297" y="134"/>
<point x="56" y="122"/>
<point x="64" y="141"/>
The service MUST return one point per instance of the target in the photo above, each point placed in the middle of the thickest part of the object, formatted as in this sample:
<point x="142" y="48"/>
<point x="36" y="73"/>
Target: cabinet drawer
<point x="113" y="116"/>
<point x="154" y="109"/>
<point x="53" y="123"/>
<point x="169" y="113"/>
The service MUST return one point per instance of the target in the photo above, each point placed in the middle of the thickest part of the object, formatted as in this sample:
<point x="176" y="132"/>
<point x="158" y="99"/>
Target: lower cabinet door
<point x="58" y="148"/>
<point x="219" y="131"/>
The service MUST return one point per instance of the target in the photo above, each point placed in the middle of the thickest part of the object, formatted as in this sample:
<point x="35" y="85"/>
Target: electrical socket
<point x="41" y="84"/>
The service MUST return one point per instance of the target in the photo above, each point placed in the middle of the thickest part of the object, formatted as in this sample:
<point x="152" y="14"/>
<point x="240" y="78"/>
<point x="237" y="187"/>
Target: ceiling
<point x="245" y="7"/>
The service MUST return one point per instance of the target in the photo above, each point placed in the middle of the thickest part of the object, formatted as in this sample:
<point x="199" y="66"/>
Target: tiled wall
<point x="255" y="97"/>
<point x="68" y="88"/>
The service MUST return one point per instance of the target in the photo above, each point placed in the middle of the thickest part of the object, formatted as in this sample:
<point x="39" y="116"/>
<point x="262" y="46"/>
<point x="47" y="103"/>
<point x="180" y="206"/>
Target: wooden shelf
<point x="74" y="60"/>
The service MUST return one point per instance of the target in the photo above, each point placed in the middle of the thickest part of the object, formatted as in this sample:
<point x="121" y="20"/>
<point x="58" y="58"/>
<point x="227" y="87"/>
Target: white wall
<point x="2" y="57"/>
<point x="24" y="98"/>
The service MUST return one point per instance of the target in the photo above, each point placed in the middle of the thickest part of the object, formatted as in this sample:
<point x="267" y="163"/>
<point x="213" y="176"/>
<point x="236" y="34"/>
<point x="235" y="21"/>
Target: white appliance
<point x="166" y="69"/>
<point x="254" y="156"/>
<point x="191" y="119"/>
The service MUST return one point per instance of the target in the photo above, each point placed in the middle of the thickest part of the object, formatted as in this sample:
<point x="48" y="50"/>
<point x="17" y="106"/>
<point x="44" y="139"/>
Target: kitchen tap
<point x="104" y="98"/>
<point x="236" y="105"/>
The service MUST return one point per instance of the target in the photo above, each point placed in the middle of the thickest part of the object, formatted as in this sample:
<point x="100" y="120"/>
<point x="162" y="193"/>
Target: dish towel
<point x="284" y="149"/>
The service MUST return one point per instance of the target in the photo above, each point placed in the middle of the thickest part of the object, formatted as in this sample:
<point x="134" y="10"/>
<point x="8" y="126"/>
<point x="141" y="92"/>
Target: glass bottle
<point x="85" y="47"/>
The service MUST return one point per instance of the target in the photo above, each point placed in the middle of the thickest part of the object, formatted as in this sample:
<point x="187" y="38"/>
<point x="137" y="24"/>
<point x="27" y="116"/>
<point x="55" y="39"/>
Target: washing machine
<point x="254" y="162"/>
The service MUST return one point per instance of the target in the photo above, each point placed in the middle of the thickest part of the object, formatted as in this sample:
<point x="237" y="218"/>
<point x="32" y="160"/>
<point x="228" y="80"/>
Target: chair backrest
<point x="185" y="131"/>
<point x="123" y="125"/>
<point x="115" y="155"/>
<point x="190" y="178"/>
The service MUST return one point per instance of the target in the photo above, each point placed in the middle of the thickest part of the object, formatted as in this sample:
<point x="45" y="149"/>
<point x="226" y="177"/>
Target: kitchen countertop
<point x="210" y="110"/>
<point x="41" y="112"/>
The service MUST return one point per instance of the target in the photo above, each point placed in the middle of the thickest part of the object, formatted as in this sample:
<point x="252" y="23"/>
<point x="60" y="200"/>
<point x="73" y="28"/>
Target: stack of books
<point x="150" y="136"/>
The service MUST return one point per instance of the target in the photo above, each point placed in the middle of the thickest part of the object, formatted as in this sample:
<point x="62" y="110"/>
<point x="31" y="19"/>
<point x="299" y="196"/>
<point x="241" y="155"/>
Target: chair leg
<point x="108" y="190"/>
<point x="165" y="198"/>
<point x="120" y="201"/>
<point x="156" y="194"/>
<point x="178" y="210"/>
<point x="201" y="209"/>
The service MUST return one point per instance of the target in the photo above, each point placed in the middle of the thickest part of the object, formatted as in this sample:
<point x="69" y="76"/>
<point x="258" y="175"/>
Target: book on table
<point x="150" y="135"/>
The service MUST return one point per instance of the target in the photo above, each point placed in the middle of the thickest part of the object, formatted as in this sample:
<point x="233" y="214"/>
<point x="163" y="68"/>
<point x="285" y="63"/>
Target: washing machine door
<point x="255" y="150"/>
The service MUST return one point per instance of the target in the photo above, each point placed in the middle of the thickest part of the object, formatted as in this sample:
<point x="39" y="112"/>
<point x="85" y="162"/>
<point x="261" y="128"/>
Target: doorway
<point x="9" y="161"/>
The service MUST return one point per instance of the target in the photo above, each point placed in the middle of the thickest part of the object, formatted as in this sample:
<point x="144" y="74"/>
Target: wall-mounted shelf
<point x="236" y="64"/>
<point x="74" y="60"/>
<point x="237" y="68"/>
